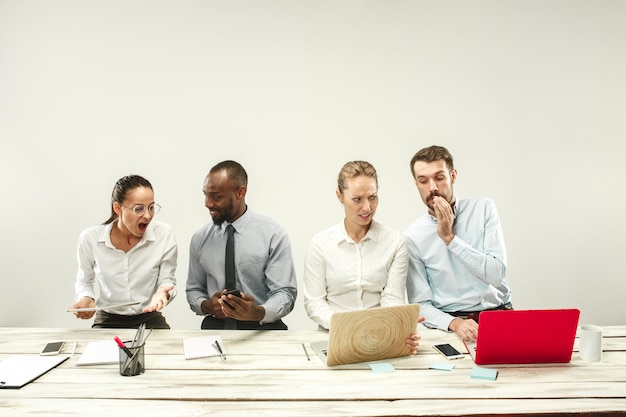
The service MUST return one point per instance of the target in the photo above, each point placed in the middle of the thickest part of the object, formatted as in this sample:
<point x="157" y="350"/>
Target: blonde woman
<point x="358" y="263"/>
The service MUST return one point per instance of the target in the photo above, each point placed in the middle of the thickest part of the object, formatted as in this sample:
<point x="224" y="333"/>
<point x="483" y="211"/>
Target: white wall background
<point x="529" y="95"/>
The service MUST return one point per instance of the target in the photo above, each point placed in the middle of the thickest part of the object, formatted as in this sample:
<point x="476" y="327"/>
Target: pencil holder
<point x="132" y="361"/>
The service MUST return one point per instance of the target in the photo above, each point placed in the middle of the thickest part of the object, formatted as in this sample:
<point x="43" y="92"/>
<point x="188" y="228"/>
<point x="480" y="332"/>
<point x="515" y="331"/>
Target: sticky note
<point x="440" y="366"/>
<point x="382" y="367"/>
<point x="484" y="373"/>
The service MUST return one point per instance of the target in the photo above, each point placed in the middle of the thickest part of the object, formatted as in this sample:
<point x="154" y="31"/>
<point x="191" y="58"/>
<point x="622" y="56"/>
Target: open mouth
<point x="143" y="226"/>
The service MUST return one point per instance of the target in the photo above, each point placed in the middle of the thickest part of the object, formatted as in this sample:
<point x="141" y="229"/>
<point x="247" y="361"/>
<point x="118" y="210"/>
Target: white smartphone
<point x="448" y="351"/>
<point x="52" y="348"/>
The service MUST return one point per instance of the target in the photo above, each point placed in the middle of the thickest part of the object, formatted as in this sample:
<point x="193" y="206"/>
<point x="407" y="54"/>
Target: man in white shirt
<point x="457" y="257"/>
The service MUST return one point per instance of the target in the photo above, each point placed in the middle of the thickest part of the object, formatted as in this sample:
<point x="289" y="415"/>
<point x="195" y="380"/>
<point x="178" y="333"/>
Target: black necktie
<point x="230" y="258"/>
<point x="229" y="269"/>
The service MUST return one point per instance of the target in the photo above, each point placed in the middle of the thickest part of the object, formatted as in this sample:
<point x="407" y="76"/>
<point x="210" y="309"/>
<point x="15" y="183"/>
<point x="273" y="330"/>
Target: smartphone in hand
<point x="235" y="293"/>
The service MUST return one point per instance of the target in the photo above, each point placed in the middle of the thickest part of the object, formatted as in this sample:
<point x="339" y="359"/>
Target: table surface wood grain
<point x="267" y="373"/>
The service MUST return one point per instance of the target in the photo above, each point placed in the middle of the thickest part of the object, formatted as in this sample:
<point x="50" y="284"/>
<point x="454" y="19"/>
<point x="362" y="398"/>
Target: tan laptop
<point x="368" y="335"/>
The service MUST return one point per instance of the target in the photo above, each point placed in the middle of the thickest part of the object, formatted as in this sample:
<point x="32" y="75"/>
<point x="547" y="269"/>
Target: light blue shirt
<point x="263" y="265"/>
<point x="468" y="274"/>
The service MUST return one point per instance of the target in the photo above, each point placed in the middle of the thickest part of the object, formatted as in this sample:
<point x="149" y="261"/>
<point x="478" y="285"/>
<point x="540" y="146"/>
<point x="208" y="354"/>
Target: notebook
<point x="18" y="370"/>
<point x="368" y="335"/>
<point x="104" y="352"/>
<point x="202" y="347"/>
<point x="524" y="336"/>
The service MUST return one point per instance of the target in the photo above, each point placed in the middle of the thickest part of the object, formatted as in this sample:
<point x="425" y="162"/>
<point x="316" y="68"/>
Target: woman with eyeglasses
<point x="133" y="260"/>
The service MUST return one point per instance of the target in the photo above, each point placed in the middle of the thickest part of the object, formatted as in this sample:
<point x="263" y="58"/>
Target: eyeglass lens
<point x="152" y="209"/>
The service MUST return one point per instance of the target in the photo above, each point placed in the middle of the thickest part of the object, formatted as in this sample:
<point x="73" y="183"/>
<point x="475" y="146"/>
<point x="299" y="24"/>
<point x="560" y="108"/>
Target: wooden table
<point x="268" y="374"/>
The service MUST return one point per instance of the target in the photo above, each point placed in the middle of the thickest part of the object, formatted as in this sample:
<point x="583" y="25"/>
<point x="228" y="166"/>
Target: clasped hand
<point x="239" y="308"/>
<point x="465" y="329"/>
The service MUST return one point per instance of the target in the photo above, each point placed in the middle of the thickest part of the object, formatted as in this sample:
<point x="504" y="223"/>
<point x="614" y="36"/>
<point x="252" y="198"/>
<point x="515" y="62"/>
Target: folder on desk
<point x="18" y="370"/>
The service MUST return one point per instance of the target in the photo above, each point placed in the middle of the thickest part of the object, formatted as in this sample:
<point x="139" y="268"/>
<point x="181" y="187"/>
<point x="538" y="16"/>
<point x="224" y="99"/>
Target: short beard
<point x="224" y="214"/>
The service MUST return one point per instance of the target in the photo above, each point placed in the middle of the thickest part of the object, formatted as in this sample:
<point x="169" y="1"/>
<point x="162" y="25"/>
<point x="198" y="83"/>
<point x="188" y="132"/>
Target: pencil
<point x="308" y="358"/>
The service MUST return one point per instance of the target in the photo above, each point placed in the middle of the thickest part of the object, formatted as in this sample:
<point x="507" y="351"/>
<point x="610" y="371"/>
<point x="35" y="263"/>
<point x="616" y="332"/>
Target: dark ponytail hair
<point x="122" y="186"/>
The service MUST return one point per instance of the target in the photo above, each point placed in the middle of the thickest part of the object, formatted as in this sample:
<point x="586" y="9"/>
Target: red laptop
<point x="524" y="336"/>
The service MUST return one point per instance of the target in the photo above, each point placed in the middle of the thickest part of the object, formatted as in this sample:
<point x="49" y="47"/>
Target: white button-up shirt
<point x="125" y="277"/>
<point x="342" y="275"/>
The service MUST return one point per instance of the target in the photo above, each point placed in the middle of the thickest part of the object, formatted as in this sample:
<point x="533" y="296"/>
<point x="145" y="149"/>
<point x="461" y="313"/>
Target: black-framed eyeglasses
<point x="140" y="209"/>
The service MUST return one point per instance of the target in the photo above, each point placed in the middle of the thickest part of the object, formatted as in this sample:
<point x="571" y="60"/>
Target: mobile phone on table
<point x="448" y="351"/>
<point x="52" y="348"/>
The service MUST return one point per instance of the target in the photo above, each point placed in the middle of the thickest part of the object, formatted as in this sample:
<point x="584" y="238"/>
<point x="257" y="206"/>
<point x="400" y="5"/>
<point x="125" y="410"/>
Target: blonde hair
<point x="354" y="169"/>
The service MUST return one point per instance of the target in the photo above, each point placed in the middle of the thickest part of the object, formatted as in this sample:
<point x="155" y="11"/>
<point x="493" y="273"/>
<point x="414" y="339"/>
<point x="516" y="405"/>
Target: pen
<point x="74" y="348"/>
<point x="139" y="335"/>
<point x="144" y="338"/>
<point x="123" y="346"/>
<point x="219" y="349"/>
<point x="308" y="358"/>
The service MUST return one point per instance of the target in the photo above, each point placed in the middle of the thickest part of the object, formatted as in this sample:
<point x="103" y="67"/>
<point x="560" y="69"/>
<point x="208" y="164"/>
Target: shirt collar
<point x="240" y="224"/>
<point x="105" y="235"/>
<point x="372" y="233"/>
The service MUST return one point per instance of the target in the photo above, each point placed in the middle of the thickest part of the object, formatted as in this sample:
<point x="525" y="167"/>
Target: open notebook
<point x="18" y="370"/>
<point x="368" y="335"/>
<point x="202" y="347"/>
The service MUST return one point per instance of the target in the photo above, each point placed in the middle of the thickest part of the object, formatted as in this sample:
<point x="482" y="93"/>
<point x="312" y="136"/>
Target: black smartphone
<point x="52" y="348"/>
<point x="236" y="293"/>
<point x="448" y="351"/>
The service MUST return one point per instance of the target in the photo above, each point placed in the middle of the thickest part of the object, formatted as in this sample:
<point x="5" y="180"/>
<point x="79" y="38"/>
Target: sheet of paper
<point x="103" y="352"/>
